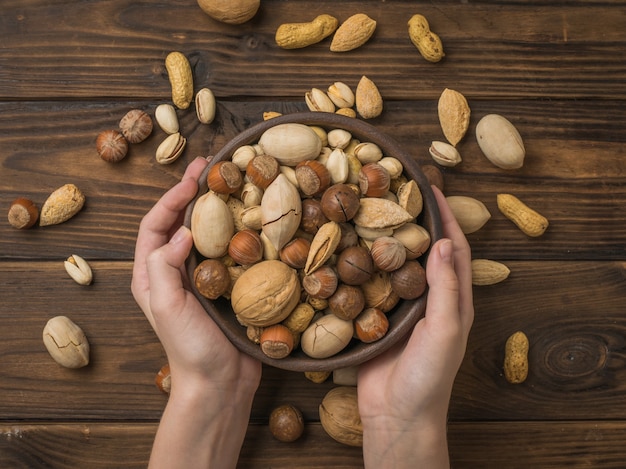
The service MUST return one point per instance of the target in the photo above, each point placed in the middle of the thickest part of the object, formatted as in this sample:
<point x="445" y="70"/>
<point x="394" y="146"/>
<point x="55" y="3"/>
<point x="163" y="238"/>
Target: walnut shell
<point x="265" y="294"/>
<point x="339" y="416"/>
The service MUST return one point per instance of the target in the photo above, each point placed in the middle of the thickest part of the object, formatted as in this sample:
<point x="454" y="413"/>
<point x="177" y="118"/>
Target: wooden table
<point x="71" y="69"/>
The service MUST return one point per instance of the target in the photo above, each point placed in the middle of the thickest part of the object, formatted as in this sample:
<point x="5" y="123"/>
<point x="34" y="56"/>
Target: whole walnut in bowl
<point x="293" y="205"/>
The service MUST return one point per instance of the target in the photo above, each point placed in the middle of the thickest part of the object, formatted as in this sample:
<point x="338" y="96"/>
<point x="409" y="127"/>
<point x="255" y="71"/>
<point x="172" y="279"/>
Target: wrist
<point x="406" y="443"/>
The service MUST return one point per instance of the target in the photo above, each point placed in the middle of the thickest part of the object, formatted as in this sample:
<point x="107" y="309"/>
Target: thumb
<point x="164" y="272"/>
<point x="443" y="294"/>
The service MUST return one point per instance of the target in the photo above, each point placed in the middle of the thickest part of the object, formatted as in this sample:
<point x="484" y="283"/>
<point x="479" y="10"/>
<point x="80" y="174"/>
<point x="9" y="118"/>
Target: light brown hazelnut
<point x="211" y="278"/>
<point x="276" y="341"/>
<point x="286" y="423"/>
<point x="355" y="265"/>
<point x="224" y="177"/>
<point x="374" y="180"/>
<point x="295" y="252"/>
<point x="246" y="247"/>
<point x="388" y="253"/>
<point x="313" y="177"/>
<point x="378" y="292"/>
<point x="312" y="216"/>
<point x="409" y="281"/>
<point x="163" y="379"/>
<point x="340" y="203"/>
<point x="23" y="213"/>
<point x="321" y="283"/>
<point x="262" y="170"/>
<point x="347" y="302"/>
<point x="136" y="126"/>
<point x="112" y="146"/>
<point x="371" y="325"/>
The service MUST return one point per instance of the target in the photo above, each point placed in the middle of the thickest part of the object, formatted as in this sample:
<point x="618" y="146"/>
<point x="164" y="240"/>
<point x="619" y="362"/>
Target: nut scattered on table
<point x="23" y="213"/>
<point x="444" y="154"/>
<point x="286" y="423"/>
<point x="136" y="126"/>
<point x="165" y="115"/>
<point x="339" y="416"/>
<point x="64" y="203"/>
<point x="488" y="272"/>
<point x="369" y="102"/>
<point x="78" y="269"/>
<point x="516" y="358"/>
<point x="66" y="342"/>
<point x="181" y="79"/>
<point x="427" y="42"/>
<point x="454" y="115"/>
<point x="353" y="33"/>
<point x="531" y="223"/>
<point x="205" y="105"/>
<point x="470" y="213"/>
<point x="111" y="145"/>
<point x="500" y="142"/>
<point x="299" y="35"/>
<point x="230" y="11"/>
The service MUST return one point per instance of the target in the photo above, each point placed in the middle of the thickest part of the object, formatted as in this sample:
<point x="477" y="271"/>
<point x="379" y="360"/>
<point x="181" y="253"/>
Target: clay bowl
<point x="401" y="319"/>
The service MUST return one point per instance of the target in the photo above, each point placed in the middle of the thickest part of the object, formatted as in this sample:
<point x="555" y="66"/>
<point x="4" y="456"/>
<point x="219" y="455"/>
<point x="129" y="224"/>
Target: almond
<point x="353" y="33"/>
<point x="61" y="205"/>
<point x="454" y="115"/>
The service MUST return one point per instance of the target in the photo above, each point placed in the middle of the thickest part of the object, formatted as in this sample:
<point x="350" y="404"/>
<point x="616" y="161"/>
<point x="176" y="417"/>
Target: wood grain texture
<point x="69" y="70"/>
<point x="514" y="445"/>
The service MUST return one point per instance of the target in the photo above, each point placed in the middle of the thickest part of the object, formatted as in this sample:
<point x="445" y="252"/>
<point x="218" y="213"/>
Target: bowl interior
<point x="401" y="319"/>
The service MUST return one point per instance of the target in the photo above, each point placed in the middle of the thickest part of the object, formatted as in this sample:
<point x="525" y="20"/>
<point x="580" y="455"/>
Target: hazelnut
<point x="312" y="216"/>
<point x="434" y="176"/>
<point x="321" y="283"/>
<point x="136" y="126"/>
<point x="23" y="213"/>
<point x="313" y="177"/>
<point x="111" y="145"/>
<point x="347" y="302"/>
<point x="276" y="341"/>
<point x="409" y="281"/>
<point x="355" y="265"/>
<point x="286" y="423"/>
<point x="340" y="203"/>
<point x="388" y="253"/>
<point x="374" y="180"/>
<point x="211" y="278"/>
<point x="378" y="292"/>
<point x="295" y="252"/>
<point x="163" y="379"/>
<point x="246" y="247"/>
<point x="262" y="170"/>
<point x="371" y="325"/>
<point x="224" y="177"/>
<point x="254" y="334"/>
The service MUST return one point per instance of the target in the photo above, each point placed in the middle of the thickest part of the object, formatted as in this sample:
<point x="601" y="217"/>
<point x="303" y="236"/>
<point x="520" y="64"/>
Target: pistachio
<point x="66" y="342"/>
<point x="205" y="106"/>
<point x="165" y="115"/>
<point x="318" y="101"/>
<point x="341" y="95"/>
<point x="339" y="138"/>
<point x="171" y="148"/>
<point x="78" y="269"/>
<point x="338" y="166"/>
<point x="444" y="154"/>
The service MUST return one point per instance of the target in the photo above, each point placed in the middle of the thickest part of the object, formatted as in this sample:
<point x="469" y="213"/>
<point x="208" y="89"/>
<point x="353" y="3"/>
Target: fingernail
<point x="180" y="235"/>
<point x="445" y="249"/>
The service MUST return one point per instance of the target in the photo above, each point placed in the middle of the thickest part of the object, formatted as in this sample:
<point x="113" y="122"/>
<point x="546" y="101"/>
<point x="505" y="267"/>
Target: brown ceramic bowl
<point x="401" y="319"/>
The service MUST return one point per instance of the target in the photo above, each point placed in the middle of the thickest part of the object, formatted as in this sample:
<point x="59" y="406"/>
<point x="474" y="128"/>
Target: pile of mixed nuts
<point x="312" y="235"/>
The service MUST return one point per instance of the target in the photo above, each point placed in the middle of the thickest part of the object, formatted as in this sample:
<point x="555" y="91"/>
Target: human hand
<point x="213" y="383"/>
<point x="404" y="393"/>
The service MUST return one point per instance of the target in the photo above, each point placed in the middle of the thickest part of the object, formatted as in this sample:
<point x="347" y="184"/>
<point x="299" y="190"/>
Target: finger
<point x="156" y="225"/>
<point x="462" y="258"/>
<point x="167" y="293"/>
<point x="443" y="284"/>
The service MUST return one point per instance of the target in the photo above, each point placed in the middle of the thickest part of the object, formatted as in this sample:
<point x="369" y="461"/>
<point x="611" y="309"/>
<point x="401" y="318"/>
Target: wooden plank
<point x="116" y="49"/>
<point x="472" y="444"/>
<point x="574" y="172"/>
<point x="572" y="313"/>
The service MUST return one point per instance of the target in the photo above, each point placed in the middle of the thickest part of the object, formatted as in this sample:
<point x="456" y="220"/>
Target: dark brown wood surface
<point x="71" y="69"/>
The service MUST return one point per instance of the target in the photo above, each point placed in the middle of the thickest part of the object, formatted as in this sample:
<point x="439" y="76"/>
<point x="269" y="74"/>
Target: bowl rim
<point x="402" y="318"/>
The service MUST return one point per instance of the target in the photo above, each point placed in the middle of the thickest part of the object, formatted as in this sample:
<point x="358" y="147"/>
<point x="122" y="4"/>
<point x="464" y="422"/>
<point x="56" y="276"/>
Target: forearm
<point x="201" y="429"/>
<point x="411" y="445"/>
